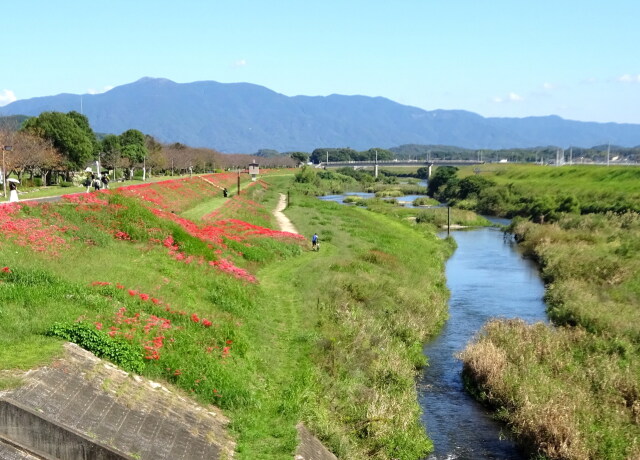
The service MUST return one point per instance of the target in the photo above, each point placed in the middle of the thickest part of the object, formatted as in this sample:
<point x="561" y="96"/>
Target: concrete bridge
<point x="396" y="163"/>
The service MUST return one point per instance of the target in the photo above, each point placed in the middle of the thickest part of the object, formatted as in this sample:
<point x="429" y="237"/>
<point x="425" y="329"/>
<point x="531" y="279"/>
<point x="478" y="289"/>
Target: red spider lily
<point x="120" y="235"/>
<point x="5" y="270"/>
<point x="31" y="232"/>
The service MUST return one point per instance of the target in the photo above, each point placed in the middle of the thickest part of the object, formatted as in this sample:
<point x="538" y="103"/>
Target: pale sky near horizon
<point x="504" y="58"/>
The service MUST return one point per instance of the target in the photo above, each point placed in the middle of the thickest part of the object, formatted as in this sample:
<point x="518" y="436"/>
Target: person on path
<point x="105" y="181"/>
<point x="13" y="192"/>
<point x="225" y="192"/>
<point x="96" y="183"/>
<point x="88" y="182"/>
<point x="315" y="244"/>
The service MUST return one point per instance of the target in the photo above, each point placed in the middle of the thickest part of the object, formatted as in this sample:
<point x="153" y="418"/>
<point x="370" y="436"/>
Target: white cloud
<point x="627" y="78"/>
<point x="548" y="86"/>
<point x="240" y="63"/>
<point x="99" y="91"/>
<point x="511" y="97"/>
<point x="7" y="97"/>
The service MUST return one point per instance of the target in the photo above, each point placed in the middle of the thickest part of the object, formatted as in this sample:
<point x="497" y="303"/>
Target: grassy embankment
<point x="373" y="294"/>
<point x="235" y="315"/>
<point x="594" y="188"/>
<point x="571" y="391"/>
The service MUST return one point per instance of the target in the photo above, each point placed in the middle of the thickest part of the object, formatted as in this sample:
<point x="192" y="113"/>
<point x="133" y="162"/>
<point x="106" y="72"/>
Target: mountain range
<point x="243" y="118"/>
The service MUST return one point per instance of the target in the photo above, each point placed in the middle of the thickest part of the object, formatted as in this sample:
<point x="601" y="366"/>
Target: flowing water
<point x="487" y="278"/>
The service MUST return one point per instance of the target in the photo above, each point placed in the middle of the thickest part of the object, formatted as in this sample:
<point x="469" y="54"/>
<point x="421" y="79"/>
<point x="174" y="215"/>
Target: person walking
<point x="105" y="181"/>
<point x="88" y="182"/>
<point x="13" y="191"/>
<point x="315" y="244"/>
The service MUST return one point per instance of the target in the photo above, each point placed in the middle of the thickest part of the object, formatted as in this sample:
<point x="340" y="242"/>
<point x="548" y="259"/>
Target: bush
<point x="306" y="176"/>
<point x="100" y="344"/>
<point x="66" y="184"/>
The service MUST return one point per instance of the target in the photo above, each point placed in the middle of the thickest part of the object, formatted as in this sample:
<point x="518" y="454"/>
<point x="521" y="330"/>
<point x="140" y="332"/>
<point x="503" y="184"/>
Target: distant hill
<point x="244" y="118"/>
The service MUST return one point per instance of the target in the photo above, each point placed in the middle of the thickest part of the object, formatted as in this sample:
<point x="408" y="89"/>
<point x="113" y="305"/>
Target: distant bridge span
<point x="395" y="163"/>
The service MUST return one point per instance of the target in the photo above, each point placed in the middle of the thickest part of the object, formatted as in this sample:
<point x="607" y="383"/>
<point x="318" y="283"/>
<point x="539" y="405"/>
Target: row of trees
<point x="60" y="144"/>
<point x="348" y="154"/>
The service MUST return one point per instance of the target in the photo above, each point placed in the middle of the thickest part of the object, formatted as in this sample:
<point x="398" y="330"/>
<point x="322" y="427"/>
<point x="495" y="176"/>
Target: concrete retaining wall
<point x="44" y="438"/>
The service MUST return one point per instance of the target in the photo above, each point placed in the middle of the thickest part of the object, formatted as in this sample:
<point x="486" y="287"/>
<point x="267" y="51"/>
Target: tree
<point x="423" y="173"/>
<point x="133" y="148"/>
<point x="111" y="151"/>
<point x="300" y="157"/>
<point x="473" y="185"/>
<point x="69" y="134"/>
<point x="339" y="154"/>
<point x="156" y="159"/>
<point x="440" y="177"/>
<point x="34" y="155"/>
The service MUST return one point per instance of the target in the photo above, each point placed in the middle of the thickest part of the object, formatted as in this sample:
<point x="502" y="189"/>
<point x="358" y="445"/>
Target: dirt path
<point x="283" y="221"/>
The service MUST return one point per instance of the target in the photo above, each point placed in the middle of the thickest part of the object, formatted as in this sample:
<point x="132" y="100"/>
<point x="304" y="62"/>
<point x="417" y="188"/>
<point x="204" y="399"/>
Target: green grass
<point x="571" y="391"/>
<point x="596" y="188"/>
<point x="331" y="338"/>
<point x="369" y="322"/>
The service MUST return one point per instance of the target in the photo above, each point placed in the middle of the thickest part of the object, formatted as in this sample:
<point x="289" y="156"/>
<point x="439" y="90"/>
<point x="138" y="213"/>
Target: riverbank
<point x="367" y="321"/>
<point x="570" y="391"/>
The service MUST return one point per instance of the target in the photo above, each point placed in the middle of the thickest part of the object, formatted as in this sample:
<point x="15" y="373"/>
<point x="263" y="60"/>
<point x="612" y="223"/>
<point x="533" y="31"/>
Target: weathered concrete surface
<point x="33" y="432"/>
<point x="132" y="415"/>
<point x="11" y="452"/>
<point x="310" y="448"/>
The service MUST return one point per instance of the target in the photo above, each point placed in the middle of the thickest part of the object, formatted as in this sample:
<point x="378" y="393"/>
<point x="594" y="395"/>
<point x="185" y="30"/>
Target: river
<point x="487" y="278"/>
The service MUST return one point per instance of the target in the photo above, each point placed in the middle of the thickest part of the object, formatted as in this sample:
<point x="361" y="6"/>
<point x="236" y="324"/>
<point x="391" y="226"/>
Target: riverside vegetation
<point x="572" y="390"/>
<point x="174" y="282"/>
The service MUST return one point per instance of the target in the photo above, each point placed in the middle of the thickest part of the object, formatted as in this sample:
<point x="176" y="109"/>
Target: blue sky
<point x="504" y="58"/>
